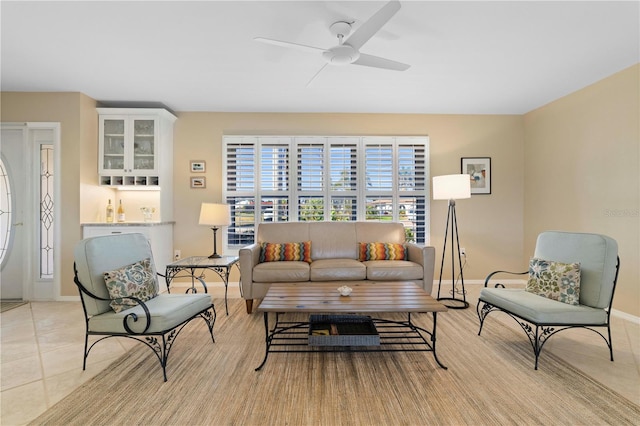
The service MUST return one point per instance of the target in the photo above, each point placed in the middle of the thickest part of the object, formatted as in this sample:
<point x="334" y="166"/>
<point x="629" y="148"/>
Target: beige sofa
<point x="334" y="256"/>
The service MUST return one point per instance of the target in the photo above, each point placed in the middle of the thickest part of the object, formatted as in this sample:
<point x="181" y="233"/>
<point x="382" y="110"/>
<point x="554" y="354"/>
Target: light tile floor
<point x="41" y="355"/>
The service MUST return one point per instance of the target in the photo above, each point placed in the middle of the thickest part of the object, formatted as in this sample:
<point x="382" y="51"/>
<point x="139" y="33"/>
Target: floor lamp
<point x="452" y="188"/>
<point x="215" y="215"/>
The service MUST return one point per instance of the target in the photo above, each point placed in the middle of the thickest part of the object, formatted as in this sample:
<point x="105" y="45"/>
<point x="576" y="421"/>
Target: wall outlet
<point x="177" y="254"/>
<point x="463" y="251"/>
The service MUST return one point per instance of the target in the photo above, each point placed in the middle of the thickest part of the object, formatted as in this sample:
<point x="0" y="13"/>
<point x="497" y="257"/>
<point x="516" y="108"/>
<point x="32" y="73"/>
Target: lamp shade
<point x="215" y="214"/>
<point x="451" y="187"/>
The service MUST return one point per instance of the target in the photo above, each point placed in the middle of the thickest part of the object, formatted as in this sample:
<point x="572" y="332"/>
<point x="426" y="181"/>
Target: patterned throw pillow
<point x="273" y="252"/>
<point x="135" y="280"/>
<point x="381" y="251"/>
<point x="555" y="280"/>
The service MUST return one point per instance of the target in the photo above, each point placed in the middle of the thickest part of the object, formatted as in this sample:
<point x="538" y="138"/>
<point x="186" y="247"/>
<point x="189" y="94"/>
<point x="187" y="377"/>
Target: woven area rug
<point x="490" y="381"/>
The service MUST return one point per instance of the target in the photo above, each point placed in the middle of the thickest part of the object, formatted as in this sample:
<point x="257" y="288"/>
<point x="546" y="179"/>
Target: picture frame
<point x="479" y="171"/>
<point x="198" y="166"/>
<point x="198" y="182"/>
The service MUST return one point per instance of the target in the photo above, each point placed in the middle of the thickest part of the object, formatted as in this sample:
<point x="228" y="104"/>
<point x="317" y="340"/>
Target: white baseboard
<point x="481" y="282"/>
<point x="625" y="316"/>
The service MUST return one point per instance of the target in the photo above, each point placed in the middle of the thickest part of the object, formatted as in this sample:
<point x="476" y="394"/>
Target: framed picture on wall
<point x="198" y="166"/>
<point x="198" y="182"/>
<point x="479" y="171"/>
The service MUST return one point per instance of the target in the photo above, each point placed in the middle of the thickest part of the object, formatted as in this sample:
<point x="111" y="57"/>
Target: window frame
<point x="296" y="188"/>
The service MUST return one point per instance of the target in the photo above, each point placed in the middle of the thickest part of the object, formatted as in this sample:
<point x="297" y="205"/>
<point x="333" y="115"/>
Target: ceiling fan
<point x="348" y="49"/>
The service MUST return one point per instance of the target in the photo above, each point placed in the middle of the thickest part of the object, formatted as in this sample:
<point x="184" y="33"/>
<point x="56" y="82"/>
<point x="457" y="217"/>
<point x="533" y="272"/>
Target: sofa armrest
<point x="425" y="256"/>
<point x="249" y="257"/>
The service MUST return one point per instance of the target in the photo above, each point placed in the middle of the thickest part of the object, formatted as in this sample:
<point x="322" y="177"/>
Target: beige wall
<point x="490" y="226"/>
<point x="582" y="171"/>
<point x="580" y="156"/>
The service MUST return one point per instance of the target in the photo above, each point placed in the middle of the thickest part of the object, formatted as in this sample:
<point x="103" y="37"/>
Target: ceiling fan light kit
<point x="341" y="55"/>
<point x="348" y="49"/>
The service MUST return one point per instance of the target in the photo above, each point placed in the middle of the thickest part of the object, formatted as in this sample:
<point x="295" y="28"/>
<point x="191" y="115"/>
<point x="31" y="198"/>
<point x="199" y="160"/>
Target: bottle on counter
<point x="109" y="212"/>
<point x="120" y="212"/>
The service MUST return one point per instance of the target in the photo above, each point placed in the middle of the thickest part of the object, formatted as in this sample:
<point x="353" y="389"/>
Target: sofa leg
<point x="249" y="303"/>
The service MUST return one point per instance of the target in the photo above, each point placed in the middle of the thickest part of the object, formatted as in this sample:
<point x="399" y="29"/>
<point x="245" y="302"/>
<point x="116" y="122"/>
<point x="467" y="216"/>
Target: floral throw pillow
<point x="381" y="251"/>
<point x="135" y="280"/>
<point x="273" y="252"/>
<point x="555" y="280"/>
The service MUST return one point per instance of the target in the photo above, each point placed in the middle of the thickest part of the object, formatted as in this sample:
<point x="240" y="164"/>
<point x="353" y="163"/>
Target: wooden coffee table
<point x="377" y="297"/>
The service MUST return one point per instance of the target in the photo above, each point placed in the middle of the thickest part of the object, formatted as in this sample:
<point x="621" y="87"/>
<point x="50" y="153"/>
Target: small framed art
<point x="198" y="182"/>
<point x="198" y="166"/>
<point x="479" y="171"/>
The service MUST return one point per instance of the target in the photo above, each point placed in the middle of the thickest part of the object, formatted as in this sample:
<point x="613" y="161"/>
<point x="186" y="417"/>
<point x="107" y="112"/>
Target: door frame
<point x="34" y="288"/>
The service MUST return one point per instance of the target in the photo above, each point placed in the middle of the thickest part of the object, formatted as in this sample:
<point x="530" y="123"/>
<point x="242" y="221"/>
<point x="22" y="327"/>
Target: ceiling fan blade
<point x="369" y="28"/>
<point x="289" y="44"/>
<point x="316" y="74"/>
<point x="377" y="62"/>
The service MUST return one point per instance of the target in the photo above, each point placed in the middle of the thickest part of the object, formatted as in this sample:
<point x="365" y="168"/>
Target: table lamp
<point x="452" y="188"/>
<point x="215" y="215"/>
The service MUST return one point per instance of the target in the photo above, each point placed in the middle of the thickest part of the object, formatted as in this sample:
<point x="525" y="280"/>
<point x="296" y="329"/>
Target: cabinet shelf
<point x="129" y="181"/>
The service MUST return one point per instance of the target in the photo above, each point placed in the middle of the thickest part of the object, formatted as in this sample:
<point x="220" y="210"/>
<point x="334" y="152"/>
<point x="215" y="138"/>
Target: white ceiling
<point x="466" y="57"/>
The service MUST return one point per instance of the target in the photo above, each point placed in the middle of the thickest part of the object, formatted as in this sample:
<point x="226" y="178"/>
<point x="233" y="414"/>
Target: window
<point x="325" y="178"/>
<point x="5" y="212"/>
<point x="46" y="210"/>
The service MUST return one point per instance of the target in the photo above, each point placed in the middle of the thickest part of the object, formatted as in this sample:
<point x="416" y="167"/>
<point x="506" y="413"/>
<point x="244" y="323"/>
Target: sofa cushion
<point x="554" y="280"/>
<point x="333" y="240"/>
<point x="135" y="280"/>
<point x="337" y="269"/>
<point x="273" y="252"/>
<point x="381" y="251"/>
<point x="393" y="270"/>
<point x="274" y="272"/>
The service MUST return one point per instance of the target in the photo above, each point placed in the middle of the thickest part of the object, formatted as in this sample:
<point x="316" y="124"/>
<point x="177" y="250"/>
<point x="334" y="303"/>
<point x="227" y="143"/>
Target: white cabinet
<point x="135" y="147"/>
<point x="160" y="235"/>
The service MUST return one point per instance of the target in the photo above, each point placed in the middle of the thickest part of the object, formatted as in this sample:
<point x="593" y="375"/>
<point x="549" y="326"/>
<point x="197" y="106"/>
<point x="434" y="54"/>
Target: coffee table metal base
<point x="395" y="336"/>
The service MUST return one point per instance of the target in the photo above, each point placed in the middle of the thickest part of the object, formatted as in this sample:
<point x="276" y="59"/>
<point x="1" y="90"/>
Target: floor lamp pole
<point x="454" y="302"/>
<point x="215" y="254"/>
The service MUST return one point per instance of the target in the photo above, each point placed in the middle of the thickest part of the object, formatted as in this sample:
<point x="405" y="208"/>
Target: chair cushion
<point x="597" y="255"/>
<point x="93" y="256"/>
<point x="135" y="280"/>
<point x="381" y="251"/>
<point x="337" y="269"/>
<point x="167" y="311"/>
<point x="273" y="252"/>
<point x="393" y="270"/>
<point x="540" y="310"/>
<point x="554" y="280"/>
<point x="273" y="272"/>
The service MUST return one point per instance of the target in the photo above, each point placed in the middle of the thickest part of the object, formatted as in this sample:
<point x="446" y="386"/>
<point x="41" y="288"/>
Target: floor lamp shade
<point x="452" y="187"/>
<point x="215" y="215"/>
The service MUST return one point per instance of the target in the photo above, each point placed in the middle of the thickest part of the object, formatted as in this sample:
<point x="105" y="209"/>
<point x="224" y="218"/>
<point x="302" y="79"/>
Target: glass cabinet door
<point x="113" y="148"/>
<point x="144" y="144"/>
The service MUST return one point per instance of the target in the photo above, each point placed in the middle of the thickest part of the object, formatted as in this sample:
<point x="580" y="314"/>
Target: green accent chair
<point x="155" y="322"/>
<point x="541" y="317"/>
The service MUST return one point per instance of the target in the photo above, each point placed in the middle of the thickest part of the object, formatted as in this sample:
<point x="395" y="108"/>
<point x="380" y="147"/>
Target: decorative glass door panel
<point x="144" y="144"/>
<point x="114" y="145"/>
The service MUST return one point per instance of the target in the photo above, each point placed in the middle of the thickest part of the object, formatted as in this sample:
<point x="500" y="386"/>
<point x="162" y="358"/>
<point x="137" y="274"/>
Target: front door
<point x="13" y="145"/>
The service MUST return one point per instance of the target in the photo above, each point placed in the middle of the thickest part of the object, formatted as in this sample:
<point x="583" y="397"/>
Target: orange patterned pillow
<point x="381" y="251"/>
<point x="273" y="252"/>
